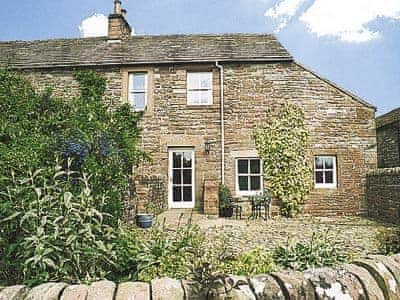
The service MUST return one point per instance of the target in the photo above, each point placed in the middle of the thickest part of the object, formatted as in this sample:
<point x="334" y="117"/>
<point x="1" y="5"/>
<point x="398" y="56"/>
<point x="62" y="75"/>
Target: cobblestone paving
<point x="354" y="234"/>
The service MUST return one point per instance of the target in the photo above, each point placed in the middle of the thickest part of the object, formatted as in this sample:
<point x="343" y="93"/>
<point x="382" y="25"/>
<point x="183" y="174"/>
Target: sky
<point x="354" y="43"/>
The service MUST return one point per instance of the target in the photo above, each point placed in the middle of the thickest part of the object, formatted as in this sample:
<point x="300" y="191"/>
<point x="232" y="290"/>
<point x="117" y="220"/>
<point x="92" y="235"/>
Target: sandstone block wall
<point x="383" y="194"/>
<point x="375" y="277"/>
<point x="388" y="141"/>
<point x="339" y="125"/>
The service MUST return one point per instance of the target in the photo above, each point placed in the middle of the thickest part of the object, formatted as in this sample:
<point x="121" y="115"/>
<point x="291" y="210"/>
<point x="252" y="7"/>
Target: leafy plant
<point x="253" y="262"/>
<point x="37" y="129"/>
<point x="282" y="145"/>
<point x="169" y="253"/>
<point x="389" y="241"/>
<point x="319" y="251"/>
<point x="224" y="196"/>
<point x="53" y="229"/>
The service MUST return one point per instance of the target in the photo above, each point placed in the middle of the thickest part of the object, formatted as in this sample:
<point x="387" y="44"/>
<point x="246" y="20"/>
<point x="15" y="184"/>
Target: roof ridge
<point x="235" y="34"/>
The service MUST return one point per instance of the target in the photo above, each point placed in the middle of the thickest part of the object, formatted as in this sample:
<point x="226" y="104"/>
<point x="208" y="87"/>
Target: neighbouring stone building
<point x="202" y="95"/>
<point x="388" y="139"/>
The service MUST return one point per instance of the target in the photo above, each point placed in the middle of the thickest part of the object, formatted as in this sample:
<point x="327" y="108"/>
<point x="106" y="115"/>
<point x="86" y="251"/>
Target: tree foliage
<point x="282" y="145"/>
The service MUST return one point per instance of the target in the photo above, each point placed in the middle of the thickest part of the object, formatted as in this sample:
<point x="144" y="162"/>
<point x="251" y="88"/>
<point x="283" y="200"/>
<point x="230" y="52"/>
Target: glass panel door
<point x="181" y="178"/>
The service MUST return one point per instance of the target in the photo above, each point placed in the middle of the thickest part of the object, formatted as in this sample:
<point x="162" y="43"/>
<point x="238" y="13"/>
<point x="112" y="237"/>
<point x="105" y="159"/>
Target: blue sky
<point x="355" y="43"/>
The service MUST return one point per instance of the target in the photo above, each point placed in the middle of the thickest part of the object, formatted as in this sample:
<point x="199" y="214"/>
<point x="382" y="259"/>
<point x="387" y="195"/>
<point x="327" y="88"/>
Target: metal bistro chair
<point x="237" y="208"/>
<point x="259" y="203"/>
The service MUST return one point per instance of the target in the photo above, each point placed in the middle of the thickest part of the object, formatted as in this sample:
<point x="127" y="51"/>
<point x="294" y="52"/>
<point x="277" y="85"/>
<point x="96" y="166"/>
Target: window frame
<point x="325" y="185"/>
<point x="261" y="175"/>
<point x="132" y="90"/>
<point x="199" y="89"/>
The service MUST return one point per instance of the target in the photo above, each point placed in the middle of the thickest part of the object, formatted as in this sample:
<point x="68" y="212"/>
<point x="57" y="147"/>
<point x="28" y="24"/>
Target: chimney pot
<point x="118" y="26"/>
<point x="117" y="7"/>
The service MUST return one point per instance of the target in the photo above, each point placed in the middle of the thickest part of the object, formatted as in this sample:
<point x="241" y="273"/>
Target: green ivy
<point x="282" y="145"/>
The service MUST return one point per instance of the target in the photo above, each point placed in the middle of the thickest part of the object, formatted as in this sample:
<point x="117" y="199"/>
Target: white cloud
<point x="96" y="25"/>
<point x="348" y="19"/>
<point x="283" y="12"/>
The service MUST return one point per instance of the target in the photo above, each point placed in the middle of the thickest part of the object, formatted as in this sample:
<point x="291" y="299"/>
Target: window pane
<point x="243" y="166"/>
<point x="187" y="193"/>
<point x="192" y="81"/>
<point x="177" y="157"/>
<point x="139" y="101"/>
<point x="243" y="183"/>
<point x="139" y="82"/>
<point x="177" y="177"/>
<point x="177" y="191"/>
<point x="194" y="97"/>
<point x="255" y="183"/>
<point x="328" y="163"/>
<point x="319" y="163"/>
<point x="205" y="81"/>
<point x="255" y="166"/>
<point x="187" y="176"/>
<point x="329" y="177"/>
<point x="187" y="160"/>
<point x="319" y="177"/>
<point x="205" y="97"/>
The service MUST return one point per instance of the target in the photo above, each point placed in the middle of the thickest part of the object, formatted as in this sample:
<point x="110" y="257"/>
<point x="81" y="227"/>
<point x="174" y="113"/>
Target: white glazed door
<point x="181" y="178"/>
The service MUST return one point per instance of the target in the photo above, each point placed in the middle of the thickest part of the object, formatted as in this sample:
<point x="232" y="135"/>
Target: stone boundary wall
<point x="383" y="194"/>
<point x="374" y="277"/>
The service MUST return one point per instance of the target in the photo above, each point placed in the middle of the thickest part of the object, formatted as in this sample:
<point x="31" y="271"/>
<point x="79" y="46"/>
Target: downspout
<point x="221" y="74"/>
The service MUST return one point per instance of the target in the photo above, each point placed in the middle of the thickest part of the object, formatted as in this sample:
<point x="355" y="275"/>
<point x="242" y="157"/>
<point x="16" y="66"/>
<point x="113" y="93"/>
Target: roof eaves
<point x="155" y="62"/>
<point x="348" y="93"/>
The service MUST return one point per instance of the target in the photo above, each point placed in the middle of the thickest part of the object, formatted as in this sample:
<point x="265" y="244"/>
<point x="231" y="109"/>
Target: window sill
<point x="247" y="194"/>
<point x="325" y="187"/>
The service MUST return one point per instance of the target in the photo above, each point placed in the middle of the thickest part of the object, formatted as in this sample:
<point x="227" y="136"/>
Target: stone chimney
<point x="118" y="27"/>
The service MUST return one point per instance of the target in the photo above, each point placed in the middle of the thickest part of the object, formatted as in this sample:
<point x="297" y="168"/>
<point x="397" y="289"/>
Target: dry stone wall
<point x="383" y="194"/>
<point x="375" y="277"/>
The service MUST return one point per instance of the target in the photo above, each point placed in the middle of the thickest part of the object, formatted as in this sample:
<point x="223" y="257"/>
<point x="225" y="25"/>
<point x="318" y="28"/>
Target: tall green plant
<point x="282" y="145"/>
<point x="52" y="229"/>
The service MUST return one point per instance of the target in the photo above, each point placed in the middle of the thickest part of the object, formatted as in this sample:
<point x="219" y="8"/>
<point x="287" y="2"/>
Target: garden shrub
<point x="389" y="241"/>
<point x="37" y="129"/>
<point x="282" y="145"/>
<point x="224" y="196"/>
<point x="321" y="250"/>
<point x="167" y="253"/>
<point x="52" y="229"/>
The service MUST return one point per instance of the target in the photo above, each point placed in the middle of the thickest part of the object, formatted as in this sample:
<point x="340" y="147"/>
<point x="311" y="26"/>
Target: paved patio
<point x="354" y="234"/>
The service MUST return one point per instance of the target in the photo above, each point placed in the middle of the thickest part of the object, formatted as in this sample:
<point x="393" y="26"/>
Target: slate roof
<point x="145" y="49"/>
<point x="388" y="118"/>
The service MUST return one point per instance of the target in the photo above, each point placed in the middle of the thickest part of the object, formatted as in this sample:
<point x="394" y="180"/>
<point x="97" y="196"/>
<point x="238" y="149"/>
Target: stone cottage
<point x="201" y="96"/>
<point x="388" y="139"/>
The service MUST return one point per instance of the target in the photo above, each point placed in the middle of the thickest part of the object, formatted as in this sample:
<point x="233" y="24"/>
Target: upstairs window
<point x="249" y="178"/>
<point x="325" y="171"/>
<point x="199" y="88"/>
<point x="138" y="91"/>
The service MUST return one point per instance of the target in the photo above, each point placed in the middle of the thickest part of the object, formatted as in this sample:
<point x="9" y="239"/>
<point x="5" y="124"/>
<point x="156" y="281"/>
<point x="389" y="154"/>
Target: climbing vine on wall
<point x="282" y="145"/>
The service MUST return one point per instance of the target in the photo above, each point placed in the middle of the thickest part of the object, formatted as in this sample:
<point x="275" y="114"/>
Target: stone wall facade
<point x="383" y="194"/>
<point x="374" y="277"/>
<point x="339" y="124"/>
<point x="388" y="144"/>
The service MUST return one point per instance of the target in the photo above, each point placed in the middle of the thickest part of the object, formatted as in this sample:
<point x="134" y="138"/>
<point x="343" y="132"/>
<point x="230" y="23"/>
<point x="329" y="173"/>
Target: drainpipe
<point x="221" y="73"/>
